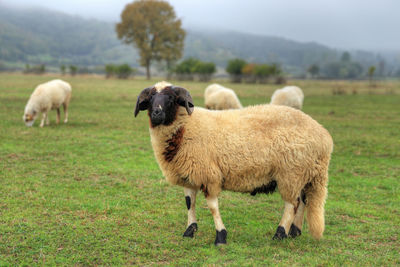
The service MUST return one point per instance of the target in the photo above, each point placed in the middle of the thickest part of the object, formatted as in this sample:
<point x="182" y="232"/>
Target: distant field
<point x="90" y="192"/>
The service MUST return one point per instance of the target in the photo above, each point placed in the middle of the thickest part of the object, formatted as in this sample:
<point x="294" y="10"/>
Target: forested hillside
<point x="39" y="36"/>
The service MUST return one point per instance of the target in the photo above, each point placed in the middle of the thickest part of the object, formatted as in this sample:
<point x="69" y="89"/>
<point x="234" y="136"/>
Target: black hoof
<point x="294" y="231"/>
<point x="190" y="230"/>
<point x="220" y="239"/>
<point x="280" y="233"/>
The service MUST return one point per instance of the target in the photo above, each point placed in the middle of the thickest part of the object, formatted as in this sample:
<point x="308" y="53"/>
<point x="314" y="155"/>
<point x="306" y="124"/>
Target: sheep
<point x="47" y="96"/>
<point x="217" y="97"/>
<point x="212" y="88"/>
<point x="291" y="96"/>
<point x="251" y="150"/>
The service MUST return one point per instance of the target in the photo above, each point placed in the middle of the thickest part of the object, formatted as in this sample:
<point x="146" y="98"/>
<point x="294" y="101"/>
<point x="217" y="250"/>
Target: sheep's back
<point x="52" y="93"/>
<point x="256" y="141"/>
<point x="223" y="99"/>
<point x="291" y="96"/>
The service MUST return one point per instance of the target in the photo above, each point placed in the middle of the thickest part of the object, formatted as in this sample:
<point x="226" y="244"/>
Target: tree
<point x="371" y="71"/>
<point x="72" y="70"/>
<point x="123" y="71"/>
<point x="173" y="45"/>
<point x="62" y="69"/>
<point x="346" y="57"/>
<point x="313" y="70"/>
<point x="152" y="26"/>
<point x="234" y="68"/>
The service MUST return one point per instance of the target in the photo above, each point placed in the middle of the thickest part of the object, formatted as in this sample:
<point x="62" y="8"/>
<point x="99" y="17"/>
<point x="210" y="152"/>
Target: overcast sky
<point x="348" y="24"/>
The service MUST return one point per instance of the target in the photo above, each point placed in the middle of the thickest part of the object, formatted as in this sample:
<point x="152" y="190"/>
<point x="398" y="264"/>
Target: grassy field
<point x="90" y="192"/>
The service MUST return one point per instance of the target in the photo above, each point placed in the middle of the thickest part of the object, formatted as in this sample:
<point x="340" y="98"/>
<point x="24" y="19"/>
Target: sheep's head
<point x="29" y="117"/>
<point x="162" y="102"/>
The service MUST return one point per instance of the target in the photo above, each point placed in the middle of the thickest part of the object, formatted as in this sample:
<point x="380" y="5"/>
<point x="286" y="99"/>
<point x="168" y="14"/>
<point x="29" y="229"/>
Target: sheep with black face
<point x="253" y="150"/>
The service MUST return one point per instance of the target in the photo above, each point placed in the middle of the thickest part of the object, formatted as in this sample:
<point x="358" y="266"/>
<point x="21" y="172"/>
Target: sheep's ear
<point x="143" y="100"/>
<point x="184" y="98"/>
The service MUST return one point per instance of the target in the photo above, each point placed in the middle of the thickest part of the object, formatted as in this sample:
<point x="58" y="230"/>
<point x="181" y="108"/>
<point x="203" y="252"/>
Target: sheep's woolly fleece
<point x="291" y="96"/>
<point x="217" y="97"/>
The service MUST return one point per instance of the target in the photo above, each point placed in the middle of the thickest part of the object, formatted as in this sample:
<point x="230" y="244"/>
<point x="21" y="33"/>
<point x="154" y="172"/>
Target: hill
<point x="35" y="36"/>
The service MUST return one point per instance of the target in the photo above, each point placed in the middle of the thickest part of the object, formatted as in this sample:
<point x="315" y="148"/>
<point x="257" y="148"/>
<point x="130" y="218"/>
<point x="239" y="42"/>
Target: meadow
<point x="90" y="192"/>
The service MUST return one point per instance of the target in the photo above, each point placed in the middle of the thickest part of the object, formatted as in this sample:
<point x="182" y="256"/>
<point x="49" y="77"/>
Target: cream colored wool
<point x="290" y="96"/>
<point x="217" y="97"/>
<point x="47" y="96"/>
<point x="240" y="150"/>
<point x="212" y="88"/>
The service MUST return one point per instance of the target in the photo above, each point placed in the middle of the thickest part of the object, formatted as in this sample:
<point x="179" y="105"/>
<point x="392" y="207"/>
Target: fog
<point x="356" y="24"/>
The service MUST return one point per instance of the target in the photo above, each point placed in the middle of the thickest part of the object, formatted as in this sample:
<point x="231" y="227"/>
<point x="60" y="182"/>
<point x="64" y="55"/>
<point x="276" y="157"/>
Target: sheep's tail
<point x="316" y="195"/>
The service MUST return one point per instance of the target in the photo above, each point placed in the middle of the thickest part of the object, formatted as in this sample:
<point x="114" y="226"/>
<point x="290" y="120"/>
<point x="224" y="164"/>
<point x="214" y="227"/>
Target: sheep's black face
<point x="163" y="105"/>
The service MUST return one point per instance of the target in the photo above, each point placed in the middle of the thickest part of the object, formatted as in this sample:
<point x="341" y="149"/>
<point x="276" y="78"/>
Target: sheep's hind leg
<point x="286" y="221"/>
<point x="212" y="203"/>
<point x="295" y="228"/>
<point x="190" y="197"/>
<point x="58" y="116"/>
<point x="65" y="112"/>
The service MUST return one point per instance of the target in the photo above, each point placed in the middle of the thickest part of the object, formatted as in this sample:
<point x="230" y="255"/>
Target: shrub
<point x="38" y="69"/>
<point x="263" y="72"/>
<point x="205" y="70"/>
<point x="234" y="68"/>
<point x="110" y="70"/>
<point x="123" y="71"/>
<point x="186" y="69"/>
<point x="248" y="73"/>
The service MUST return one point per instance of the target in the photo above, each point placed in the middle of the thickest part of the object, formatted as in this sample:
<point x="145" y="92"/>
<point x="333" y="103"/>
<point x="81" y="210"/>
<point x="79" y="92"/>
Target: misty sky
<point x="348" y="24"/>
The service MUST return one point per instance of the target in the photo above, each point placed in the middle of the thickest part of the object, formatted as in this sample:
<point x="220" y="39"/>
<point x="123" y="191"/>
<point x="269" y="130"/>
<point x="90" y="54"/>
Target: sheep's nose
<point x="156" y="112"/>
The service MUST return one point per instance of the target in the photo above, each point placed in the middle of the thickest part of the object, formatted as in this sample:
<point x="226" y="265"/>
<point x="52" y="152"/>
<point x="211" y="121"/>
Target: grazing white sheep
<point x="217" y="97"/>
<point x="254" y="150"/>
<point x="212" y="88"/>
<point x="290" y="96"/>
<point x="47" y="96"/>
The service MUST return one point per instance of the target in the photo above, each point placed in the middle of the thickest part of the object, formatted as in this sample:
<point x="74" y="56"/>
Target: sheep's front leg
<point x="286" y="221"/>
<point x="212" y="203"/>
<point x="44" y="117"/>
<point x="190" y="197"/>
<point x="58" y="116"/>
<point x="47" y="120"/>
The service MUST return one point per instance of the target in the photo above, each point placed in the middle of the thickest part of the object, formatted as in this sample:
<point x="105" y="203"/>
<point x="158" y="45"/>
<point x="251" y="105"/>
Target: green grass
<point x="90" y="192"/>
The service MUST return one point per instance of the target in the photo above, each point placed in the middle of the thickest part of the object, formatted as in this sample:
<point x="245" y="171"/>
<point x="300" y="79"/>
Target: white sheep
<point x="290" y="96"/>
<point x="212" y="88"/>
<point x="217" y="97"/>
<point x="47" y="96"/>
<point x="254" y="150"/>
